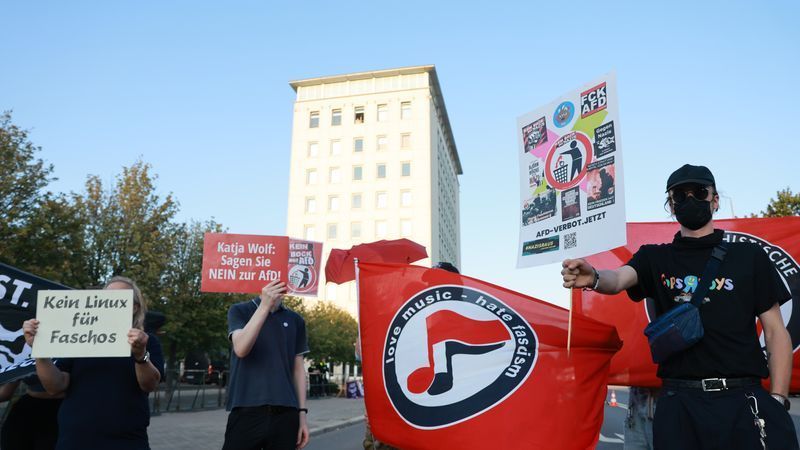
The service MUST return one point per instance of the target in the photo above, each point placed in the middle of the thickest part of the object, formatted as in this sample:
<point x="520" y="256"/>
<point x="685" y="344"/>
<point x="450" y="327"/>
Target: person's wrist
<point x="595" y="282"/>
<point x="304" y="411"/>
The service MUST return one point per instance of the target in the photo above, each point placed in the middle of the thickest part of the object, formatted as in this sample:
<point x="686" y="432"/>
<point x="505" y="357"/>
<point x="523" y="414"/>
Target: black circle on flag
<point x="454" y="352"/>
<point x="789" y="272"/>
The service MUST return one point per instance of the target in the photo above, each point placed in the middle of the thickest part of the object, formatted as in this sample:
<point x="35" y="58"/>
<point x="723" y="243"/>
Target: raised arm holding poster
<point x="571" y="193"/>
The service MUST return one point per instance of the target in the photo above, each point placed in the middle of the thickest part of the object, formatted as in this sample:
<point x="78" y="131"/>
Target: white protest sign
<point x="75" y="324"/>
<point x="572" y="201"/>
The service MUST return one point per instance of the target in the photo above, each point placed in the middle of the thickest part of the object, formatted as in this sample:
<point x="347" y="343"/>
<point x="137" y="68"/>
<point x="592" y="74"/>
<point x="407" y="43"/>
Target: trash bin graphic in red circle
<point x="567" y="160"/>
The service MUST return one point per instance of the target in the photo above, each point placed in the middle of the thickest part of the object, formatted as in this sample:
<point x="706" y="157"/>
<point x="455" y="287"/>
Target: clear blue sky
<point x="200" y="90"/>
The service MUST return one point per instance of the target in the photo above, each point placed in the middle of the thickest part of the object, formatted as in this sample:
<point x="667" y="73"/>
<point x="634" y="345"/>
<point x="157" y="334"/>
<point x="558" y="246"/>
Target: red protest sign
<point x="304" y="266"/>
<point x="243" y="263"/>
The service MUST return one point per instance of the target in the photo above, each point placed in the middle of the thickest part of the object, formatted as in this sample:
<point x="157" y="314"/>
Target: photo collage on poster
<point x="570" y="167"/>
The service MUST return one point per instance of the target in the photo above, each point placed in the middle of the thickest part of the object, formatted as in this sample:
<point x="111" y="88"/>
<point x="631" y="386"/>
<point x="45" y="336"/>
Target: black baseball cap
<point x="691" y="174"/>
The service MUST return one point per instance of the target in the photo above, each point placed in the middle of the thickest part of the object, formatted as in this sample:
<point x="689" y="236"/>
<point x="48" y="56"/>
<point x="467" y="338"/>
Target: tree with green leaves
<point x="786" y="204"/>
<point x="130" y="230"/>
<point x="332" y="332"/>
<point x="195" y="320"/>
<point x="40" y="232"/>
<point x="22" y="179"/>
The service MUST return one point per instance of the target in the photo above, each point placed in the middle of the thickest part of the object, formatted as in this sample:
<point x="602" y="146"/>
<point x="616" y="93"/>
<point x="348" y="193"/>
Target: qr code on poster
<point x="570" y="240"/>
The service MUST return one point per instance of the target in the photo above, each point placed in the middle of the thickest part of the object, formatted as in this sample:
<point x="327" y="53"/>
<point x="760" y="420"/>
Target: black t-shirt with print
<point x="746" y="285"/>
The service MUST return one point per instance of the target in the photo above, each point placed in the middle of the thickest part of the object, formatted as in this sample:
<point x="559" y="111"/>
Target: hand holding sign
<point x="138" y="342"/>
<point x="29" y="328"/>
<point x="577" y="273"/>
<point x="272" y="295"/>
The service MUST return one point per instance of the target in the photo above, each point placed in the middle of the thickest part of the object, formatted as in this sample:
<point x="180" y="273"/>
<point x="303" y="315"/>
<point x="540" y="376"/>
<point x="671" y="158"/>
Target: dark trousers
<point x="31" y="425"/>
<point x="262" y="427"/>
<point x="692" y="419"/>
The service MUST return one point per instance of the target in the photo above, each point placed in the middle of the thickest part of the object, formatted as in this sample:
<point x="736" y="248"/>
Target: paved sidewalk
<point x="206" y="429"/>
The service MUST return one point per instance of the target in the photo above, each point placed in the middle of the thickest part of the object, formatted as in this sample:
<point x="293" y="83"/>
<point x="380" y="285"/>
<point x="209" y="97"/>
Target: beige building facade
<point x="373" y="157"/>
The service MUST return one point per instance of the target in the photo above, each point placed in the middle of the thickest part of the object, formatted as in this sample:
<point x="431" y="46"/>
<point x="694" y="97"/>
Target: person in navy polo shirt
<point x="267" y="391"/>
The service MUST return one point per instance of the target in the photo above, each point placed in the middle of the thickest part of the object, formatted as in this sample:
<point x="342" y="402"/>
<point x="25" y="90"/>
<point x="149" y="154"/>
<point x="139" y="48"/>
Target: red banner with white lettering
<point x="243" y="263"/>
<point x="455" y="362"/>
<point x="632" y="366"/>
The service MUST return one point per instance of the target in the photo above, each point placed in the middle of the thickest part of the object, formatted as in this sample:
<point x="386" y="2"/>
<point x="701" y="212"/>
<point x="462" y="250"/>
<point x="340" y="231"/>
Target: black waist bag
<point x="681" y="327"/>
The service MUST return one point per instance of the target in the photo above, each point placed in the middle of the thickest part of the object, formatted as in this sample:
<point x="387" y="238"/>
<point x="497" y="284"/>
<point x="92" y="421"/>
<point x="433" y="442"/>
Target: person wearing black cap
<point x="711" y="391"/>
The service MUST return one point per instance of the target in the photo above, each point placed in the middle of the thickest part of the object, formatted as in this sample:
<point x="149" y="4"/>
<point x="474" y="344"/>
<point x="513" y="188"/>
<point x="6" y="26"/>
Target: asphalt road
<point x="350" y="438"/>
<point x="611" y="434"/>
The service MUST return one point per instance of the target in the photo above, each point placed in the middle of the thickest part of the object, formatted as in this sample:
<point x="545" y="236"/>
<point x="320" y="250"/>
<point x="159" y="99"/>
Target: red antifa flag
<point x="632" y="366"/>
<point x="455" y="362"/>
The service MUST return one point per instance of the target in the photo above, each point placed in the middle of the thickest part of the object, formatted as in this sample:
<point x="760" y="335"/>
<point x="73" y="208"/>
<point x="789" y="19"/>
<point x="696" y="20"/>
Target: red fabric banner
<point x="454" y="362"/>
<point x="632" y="366"/>
<point x="243" y="263"/>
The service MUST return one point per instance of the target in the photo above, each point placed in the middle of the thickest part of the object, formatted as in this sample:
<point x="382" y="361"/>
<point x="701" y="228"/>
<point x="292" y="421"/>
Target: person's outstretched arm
<point x="577" y="274"/>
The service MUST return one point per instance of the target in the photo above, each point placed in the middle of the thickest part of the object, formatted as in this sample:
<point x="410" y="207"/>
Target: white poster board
<point x="90" y="323"/>
<point x="572" y="201"/>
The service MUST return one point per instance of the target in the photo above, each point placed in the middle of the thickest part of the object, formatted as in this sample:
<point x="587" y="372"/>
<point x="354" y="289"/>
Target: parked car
<point x="218" y="371"/>
<point x="195" y="367"/>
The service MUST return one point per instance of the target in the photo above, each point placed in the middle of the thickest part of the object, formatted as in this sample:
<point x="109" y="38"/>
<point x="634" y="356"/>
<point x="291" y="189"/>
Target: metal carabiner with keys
<point x="758" y="421"/>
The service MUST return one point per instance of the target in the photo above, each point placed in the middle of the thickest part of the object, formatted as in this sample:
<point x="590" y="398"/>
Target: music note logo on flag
<point x="453" y="352"/>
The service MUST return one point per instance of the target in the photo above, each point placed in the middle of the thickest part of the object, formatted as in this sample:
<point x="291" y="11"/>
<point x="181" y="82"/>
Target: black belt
<point x="270" y="410"/>
<point x="711" y="384"/>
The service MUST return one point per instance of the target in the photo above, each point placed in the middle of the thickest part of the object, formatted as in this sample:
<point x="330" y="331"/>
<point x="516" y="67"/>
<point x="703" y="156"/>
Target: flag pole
<point x="569" y="326"/>
<point x="358" y="308"/>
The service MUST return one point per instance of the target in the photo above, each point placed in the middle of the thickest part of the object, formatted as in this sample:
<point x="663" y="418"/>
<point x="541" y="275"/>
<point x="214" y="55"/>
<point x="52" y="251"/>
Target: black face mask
<point x="693" y="213"/>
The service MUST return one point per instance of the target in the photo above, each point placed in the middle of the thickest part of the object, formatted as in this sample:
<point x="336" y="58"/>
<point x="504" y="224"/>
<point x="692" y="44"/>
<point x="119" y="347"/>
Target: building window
<point x="355" y="230"/>
<point x="381" y="170"/>
<point x="405" y="110"/>
<point x="332" y="230"/>
<point x="405" y="140"/>
<point x="311" y="176"/>
<point x="336" y="117"/>
<point x="405" y="227"/>
<point x="355" y="201"/>
<point x="335" y="175"/>
<point x="380" y="200"/>
<point x="380" y="229"/>
<point x="313" y="149"/>
<point x="405" y="169"/>
<point x="405" y="198"/>
<point x="383" y="112"/>
<point x="308" y="232"/>
<point x="358" y="173"/>
<point x="333" y="203"/>
<point x="358" y="144"/>
<point x="336" y="148"/>
<point x="311" y="205"/>
<point x="359" y="118"/>
<point x="313" y="121"/>
<point x="383" y="142"/>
